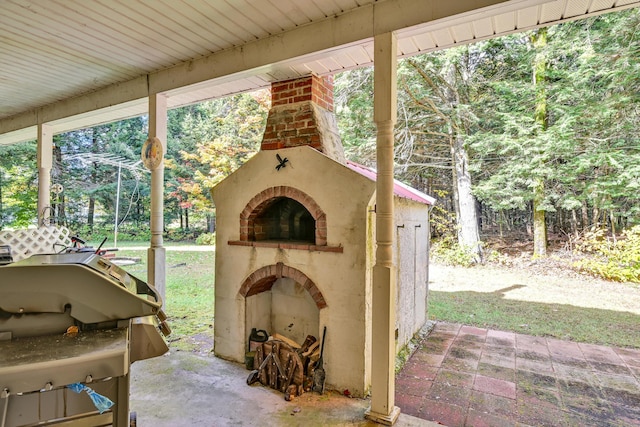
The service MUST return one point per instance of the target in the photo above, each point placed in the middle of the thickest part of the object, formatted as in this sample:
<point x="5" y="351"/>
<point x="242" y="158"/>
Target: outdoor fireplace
<point x="295" y="241"/>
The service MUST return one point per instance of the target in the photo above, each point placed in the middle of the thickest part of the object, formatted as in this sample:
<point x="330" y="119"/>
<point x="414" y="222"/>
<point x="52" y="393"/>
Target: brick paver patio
<point x="467" y="376"/>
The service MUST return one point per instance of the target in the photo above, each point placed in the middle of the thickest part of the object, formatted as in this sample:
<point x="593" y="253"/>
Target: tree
<point x="18" y="185"/>
<point x="556" y="151"/>
<point x="90" y="188"/>
<point x="606" y="124"/>
<point x="575" y="159"/>
<point x="216" y="138"/>
<point x="430" y="135"/>
<point x="354" y="114"/>
<point x="442" y="91"/>
<point x="539" y="39"/>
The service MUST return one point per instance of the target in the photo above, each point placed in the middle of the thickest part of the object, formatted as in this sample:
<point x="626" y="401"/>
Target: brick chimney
<point x="302" y="114"/>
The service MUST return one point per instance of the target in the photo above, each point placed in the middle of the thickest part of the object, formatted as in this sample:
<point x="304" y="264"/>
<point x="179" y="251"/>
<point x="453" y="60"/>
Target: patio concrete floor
<point x="458" y="376"/>
<point x="185" y="389"/>
<point x="466" y="376"/>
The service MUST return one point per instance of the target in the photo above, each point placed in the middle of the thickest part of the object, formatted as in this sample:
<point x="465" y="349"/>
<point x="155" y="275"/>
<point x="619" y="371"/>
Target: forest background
<point x="529" y="142"/>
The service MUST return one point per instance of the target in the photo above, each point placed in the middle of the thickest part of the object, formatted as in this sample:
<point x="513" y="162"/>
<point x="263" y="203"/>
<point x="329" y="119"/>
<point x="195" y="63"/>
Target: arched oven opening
<point x="283" y="214"/>
<point x="283" y="219"/>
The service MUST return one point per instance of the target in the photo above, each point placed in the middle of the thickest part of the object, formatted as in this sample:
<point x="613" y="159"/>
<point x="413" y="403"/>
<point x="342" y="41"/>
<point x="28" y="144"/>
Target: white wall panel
<point x="462" y="33"/>
<point x="505" y="22"/>
<point x="425" y="41"/>
<point x="443" y="37"/>
<point x="483" y="27"/>
<point x="576" y="8"/>
<point x="552" y="11"/>
<point x="528" y="17"/>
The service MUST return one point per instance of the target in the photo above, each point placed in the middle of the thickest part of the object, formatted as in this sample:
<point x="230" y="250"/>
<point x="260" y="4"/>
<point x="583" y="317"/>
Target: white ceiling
<point x="77" y="63"/>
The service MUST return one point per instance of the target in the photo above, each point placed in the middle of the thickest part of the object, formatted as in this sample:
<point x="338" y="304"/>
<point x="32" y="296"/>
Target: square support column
<point x="45" y="162"/>
<point x="382" y="408"/>
<point x="156" y="254"/>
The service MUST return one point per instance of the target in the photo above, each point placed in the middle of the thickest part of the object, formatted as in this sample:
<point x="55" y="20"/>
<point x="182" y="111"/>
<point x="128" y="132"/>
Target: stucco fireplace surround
<point x="295" y="241"/>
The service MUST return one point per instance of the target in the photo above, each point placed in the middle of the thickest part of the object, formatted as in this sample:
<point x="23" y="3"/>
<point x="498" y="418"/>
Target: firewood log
<point x="313" y="347"/>
<point x="280" y="367"/>
<point x="307" y="342"/>
<point x="289" y="341"/>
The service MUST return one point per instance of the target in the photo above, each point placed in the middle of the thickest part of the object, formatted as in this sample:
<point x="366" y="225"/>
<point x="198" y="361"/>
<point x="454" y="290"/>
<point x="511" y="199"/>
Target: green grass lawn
<point x="491" y="310"/>
<point x="189" y="293"/>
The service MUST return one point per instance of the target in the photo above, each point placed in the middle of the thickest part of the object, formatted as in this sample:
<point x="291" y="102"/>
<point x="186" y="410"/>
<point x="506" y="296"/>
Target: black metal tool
<point x="318" y="372"/>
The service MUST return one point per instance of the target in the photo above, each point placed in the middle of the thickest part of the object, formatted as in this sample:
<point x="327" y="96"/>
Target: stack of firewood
<point x="285" y="365"/>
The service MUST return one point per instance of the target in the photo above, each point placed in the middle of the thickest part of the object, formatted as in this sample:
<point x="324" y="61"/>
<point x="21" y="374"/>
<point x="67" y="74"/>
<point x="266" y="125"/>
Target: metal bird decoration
<point x="281" y="162"/>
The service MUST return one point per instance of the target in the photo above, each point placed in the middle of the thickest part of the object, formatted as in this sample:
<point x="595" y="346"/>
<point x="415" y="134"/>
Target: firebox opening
<point x="284" y="219"/>
<point x="286" y="309"/>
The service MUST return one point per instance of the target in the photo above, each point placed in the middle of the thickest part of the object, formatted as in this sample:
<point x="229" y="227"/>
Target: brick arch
<point x="261" y="200"/>
<point x="263" y="279"/>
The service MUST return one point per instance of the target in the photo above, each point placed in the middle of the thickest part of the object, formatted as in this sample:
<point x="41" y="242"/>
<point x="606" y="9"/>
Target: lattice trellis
<point x="27" y="242"/>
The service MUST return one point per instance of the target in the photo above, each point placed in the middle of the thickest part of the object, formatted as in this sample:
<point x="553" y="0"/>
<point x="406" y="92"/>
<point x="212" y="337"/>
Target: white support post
<point x="45" y="162"/>
<point x="156" y="256"/>
<point x="383" y="346"/>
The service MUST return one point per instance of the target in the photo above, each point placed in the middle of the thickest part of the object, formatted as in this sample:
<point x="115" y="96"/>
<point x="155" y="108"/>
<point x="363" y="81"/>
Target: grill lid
<point x="92" y="288"/>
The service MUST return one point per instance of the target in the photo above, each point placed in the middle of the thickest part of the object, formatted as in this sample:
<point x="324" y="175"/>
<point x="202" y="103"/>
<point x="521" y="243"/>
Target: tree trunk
<point x="139" y="212"/>
<point x="574" y="223"/>
<point x="455" y="197"/>
<point x="539" y="222"/>
<point x="585" y="215"/>
<point x="468" y="235"/>
<point x="91" y="212"/>
<point x="186" y="218"/>
<point x="541" y="118"/>
<point x="612" y="220"/>
<point x="465" y="203"/>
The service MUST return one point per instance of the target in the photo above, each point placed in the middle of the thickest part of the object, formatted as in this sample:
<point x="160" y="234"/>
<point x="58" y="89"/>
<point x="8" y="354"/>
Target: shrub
<point x="447" y="251"/>
<point x="611" y="259"/>
<point x="496" y="257"/>
<point x="182" y="235"/>
<point x="442" y="221"/>
<point x="206" y="239"/>
<point x="85" y="232"/>
<point x="130" y="233"/>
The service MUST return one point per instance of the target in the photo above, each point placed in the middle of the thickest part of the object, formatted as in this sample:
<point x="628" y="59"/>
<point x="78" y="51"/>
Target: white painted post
<point x="156" y="256"/>
<point x="382" y="408"/>
<point x="45" y="161"/>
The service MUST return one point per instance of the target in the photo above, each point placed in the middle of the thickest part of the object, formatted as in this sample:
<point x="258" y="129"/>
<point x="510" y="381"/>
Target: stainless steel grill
<point x="72" y="318"/>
